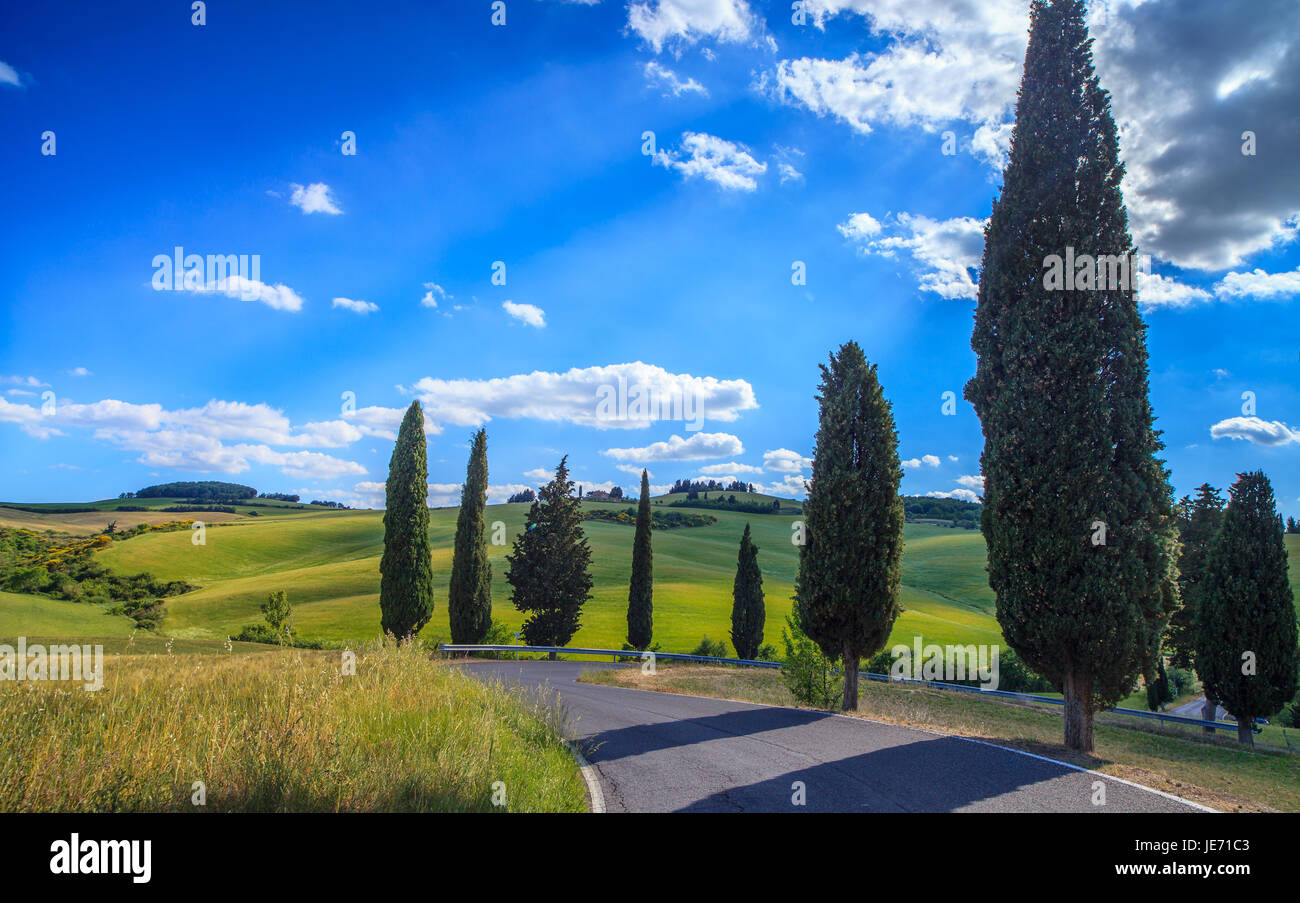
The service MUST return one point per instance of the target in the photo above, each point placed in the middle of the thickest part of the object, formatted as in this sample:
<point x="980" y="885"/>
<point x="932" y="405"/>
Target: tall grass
<point x="281" y="731"/>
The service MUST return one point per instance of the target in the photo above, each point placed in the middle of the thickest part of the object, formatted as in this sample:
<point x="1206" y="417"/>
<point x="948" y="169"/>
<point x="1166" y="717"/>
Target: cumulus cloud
<point x="434" y="293"/>
<point x="731" y="470"/>
<point x="357" y="307"/>
<point x="575" y="395"/>
<point x="966" y="495"/>
<point x="790" y="486"/>
<point x="315" y="198"/>
<point x="525" y="313"/>
<point x="1156" y="291"/>
<point x="685" y="22"/>
<point x="924" y="460"/>
<point x="196" y="439"/>
<point x="699" y="445"/>
<point x="1253" y="429"/>
<point x="943" y="251"/>
<point x="667" y="79"/>
<point x="1260" y="285"/>
<point x="972" y="481"/>
<point x="727" y="164"/>
<point x="1183" y="103"/>
<point x="78" y="371"/>
<point x="783" y="460"/>
<point x="278" y="296"/>
<point x="9" y="75"/>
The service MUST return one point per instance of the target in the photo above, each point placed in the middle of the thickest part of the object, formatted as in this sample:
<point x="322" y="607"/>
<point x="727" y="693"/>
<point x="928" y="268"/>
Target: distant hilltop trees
<point x="689" y="486"/>
<point x="208" y="490"/>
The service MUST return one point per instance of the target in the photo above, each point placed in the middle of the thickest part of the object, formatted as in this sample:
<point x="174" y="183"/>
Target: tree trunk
<point x="1078" y="711"/>
<point x="1245" y="735"/>
<point x="850" y="703"/>
<point x="1208" y="711"/>
<point x="551" y="655"/>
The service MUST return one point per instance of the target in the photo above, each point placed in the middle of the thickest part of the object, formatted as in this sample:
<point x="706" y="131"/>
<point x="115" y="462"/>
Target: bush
<point x="808" y="674"/>
<point x="714" y="648"/>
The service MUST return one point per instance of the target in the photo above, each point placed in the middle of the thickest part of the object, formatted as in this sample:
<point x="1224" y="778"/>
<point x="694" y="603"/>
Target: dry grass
<point x="281" y="731"/>
<point x="1213" y="772"/>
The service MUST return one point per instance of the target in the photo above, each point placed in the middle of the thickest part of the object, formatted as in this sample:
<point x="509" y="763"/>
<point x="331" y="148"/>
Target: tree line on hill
<point x="1093" y="588"/>
<point x="697" y="486"/>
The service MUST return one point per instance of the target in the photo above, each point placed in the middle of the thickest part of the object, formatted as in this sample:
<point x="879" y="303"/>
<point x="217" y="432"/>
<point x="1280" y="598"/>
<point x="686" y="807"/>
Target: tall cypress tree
<point x="469" y="597"/>
<point x="748" y="614"/>
<point x="1246" y="651"/>
<point x="1199" y="518"/>
<point x="406" y="570"/>
<point x="640" y="593"/>
<point x="846" y="594"/>
<point x="1077" y="507"/>
<point x="550" y="564"/>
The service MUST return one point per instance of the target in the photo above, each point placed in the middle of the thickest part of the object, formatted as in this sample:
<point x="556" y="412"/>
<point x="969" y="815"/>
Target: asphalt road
<point x="661" y="752"/>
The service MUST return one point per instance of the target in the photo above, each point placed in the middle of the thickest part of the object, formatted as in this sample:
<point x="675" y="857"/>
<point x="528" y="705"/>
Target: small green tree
<point x="279" y="614"/>
<point x="1159" y="692"/>
<point x="549" y="566"/>
<point x="640" y="594"/>
<point x="1246" y="650"/>
<point x="807" y="673"/>
<point x="748" y="613"/>
<point x="846" y="593"/>
<point x="469" y="595"/>
<point x="406" y="570"/>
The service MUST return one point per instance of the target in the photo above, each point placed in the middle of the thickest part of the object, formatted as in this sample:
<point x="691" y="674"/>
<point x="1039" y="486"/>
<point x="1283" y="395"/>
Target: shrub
<point x="808" y="674"/>
<point x="714" y="648"/>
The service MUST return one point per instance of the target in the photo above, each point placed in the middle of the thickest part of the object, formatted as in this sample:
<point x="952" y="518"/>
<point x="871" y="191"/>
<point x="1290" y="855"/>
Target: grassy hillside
<point x="329" y="563"/>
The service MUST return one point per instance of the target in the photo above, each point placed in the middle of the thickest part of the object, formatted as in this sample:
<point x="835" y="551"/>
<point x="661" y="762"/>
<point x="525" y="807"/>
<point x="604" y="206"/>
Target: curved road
<point x="662" y="752"/>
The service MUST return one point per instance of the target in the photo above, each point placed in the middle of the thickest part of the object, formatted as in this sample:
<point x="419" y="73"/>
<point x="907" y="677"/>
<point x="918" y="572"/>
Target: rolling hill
<point x="328" y="561"/>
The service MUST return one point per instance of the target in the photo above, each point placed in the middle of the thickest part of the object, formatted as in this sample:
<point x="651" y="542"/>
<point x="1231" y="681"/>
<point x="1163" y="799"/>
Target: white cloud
<point x="278" y="296"/>
<point x="717" y="470"/>
<point x="783" y="460"/>
<point x="9" y="75"/>
<point x="525" y="313"/>
<point x="972" y="481"/>
<point x="660" y="22"/>
<point x="924" y="460"/>
<point x="1259" y="284"/>
<point x="79" y="371"/>
<point x="699" y="445"/>
<point x="1253" y="429"/>
<point x="1181" y="102"/>
<point x="1156" y="291"/>
<point x="574" y="396"/>
<point x="539" y="473"/>
<point x="966" y="495"/>
<point x="945" y="251"/>
<point x="725" y="163"/>
<point x="667" y="78"/>
<point x="435" y="291"/>
<point x="790" y="486"/>
<point x="357" y="307"/>
<point x="315" y="198"/>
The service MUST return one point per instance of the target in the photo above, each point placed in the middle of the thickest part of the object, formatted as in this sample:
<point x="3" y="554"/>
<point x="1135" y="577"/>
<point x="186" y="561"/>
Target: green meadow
<point x="328" y="562"/>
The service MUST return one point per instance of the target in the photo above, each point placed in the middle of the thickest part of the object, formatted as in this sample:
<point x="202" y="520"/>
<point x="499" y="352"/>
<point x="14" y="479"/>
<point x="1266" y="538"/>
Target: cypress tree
<point x="640" y="593"/>
<point x="406" y="570"/>
<point x="748" y="613"/>
<point x="1199" y="518"/>
<point x="549" y="566"/>
<point x="1246" y="651"/>
<point x="846" y="594"/>
<point x="469" y="597"/>
<point x="1077" y="507"/>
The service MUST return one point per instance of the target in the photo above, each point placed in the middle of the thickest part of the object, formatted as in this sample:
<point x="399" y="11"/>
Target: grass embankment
<point x="1214" y="772"/>
<point x="281" y="731"/>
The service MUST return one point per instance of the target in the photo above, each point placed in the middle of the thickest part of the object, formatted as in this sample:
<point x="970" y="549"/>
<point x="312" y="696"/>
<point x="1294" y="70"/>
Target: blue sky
<point x="775" y="143"/>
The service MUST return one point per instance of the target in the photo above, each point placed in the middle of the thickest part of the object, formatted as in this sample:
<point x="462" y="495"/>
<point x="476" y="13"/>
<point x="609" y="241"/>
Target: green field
<point x="328" y="562"/>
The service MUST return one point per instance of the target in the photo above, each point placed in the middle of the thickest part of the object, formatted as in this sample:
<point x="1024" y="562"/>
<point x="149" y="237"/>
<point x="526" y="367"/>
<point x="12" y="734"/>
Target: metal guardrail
<point x="1010" y="694"/>
<point x="630" y="654"/>
<point x="633" y="655"/>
